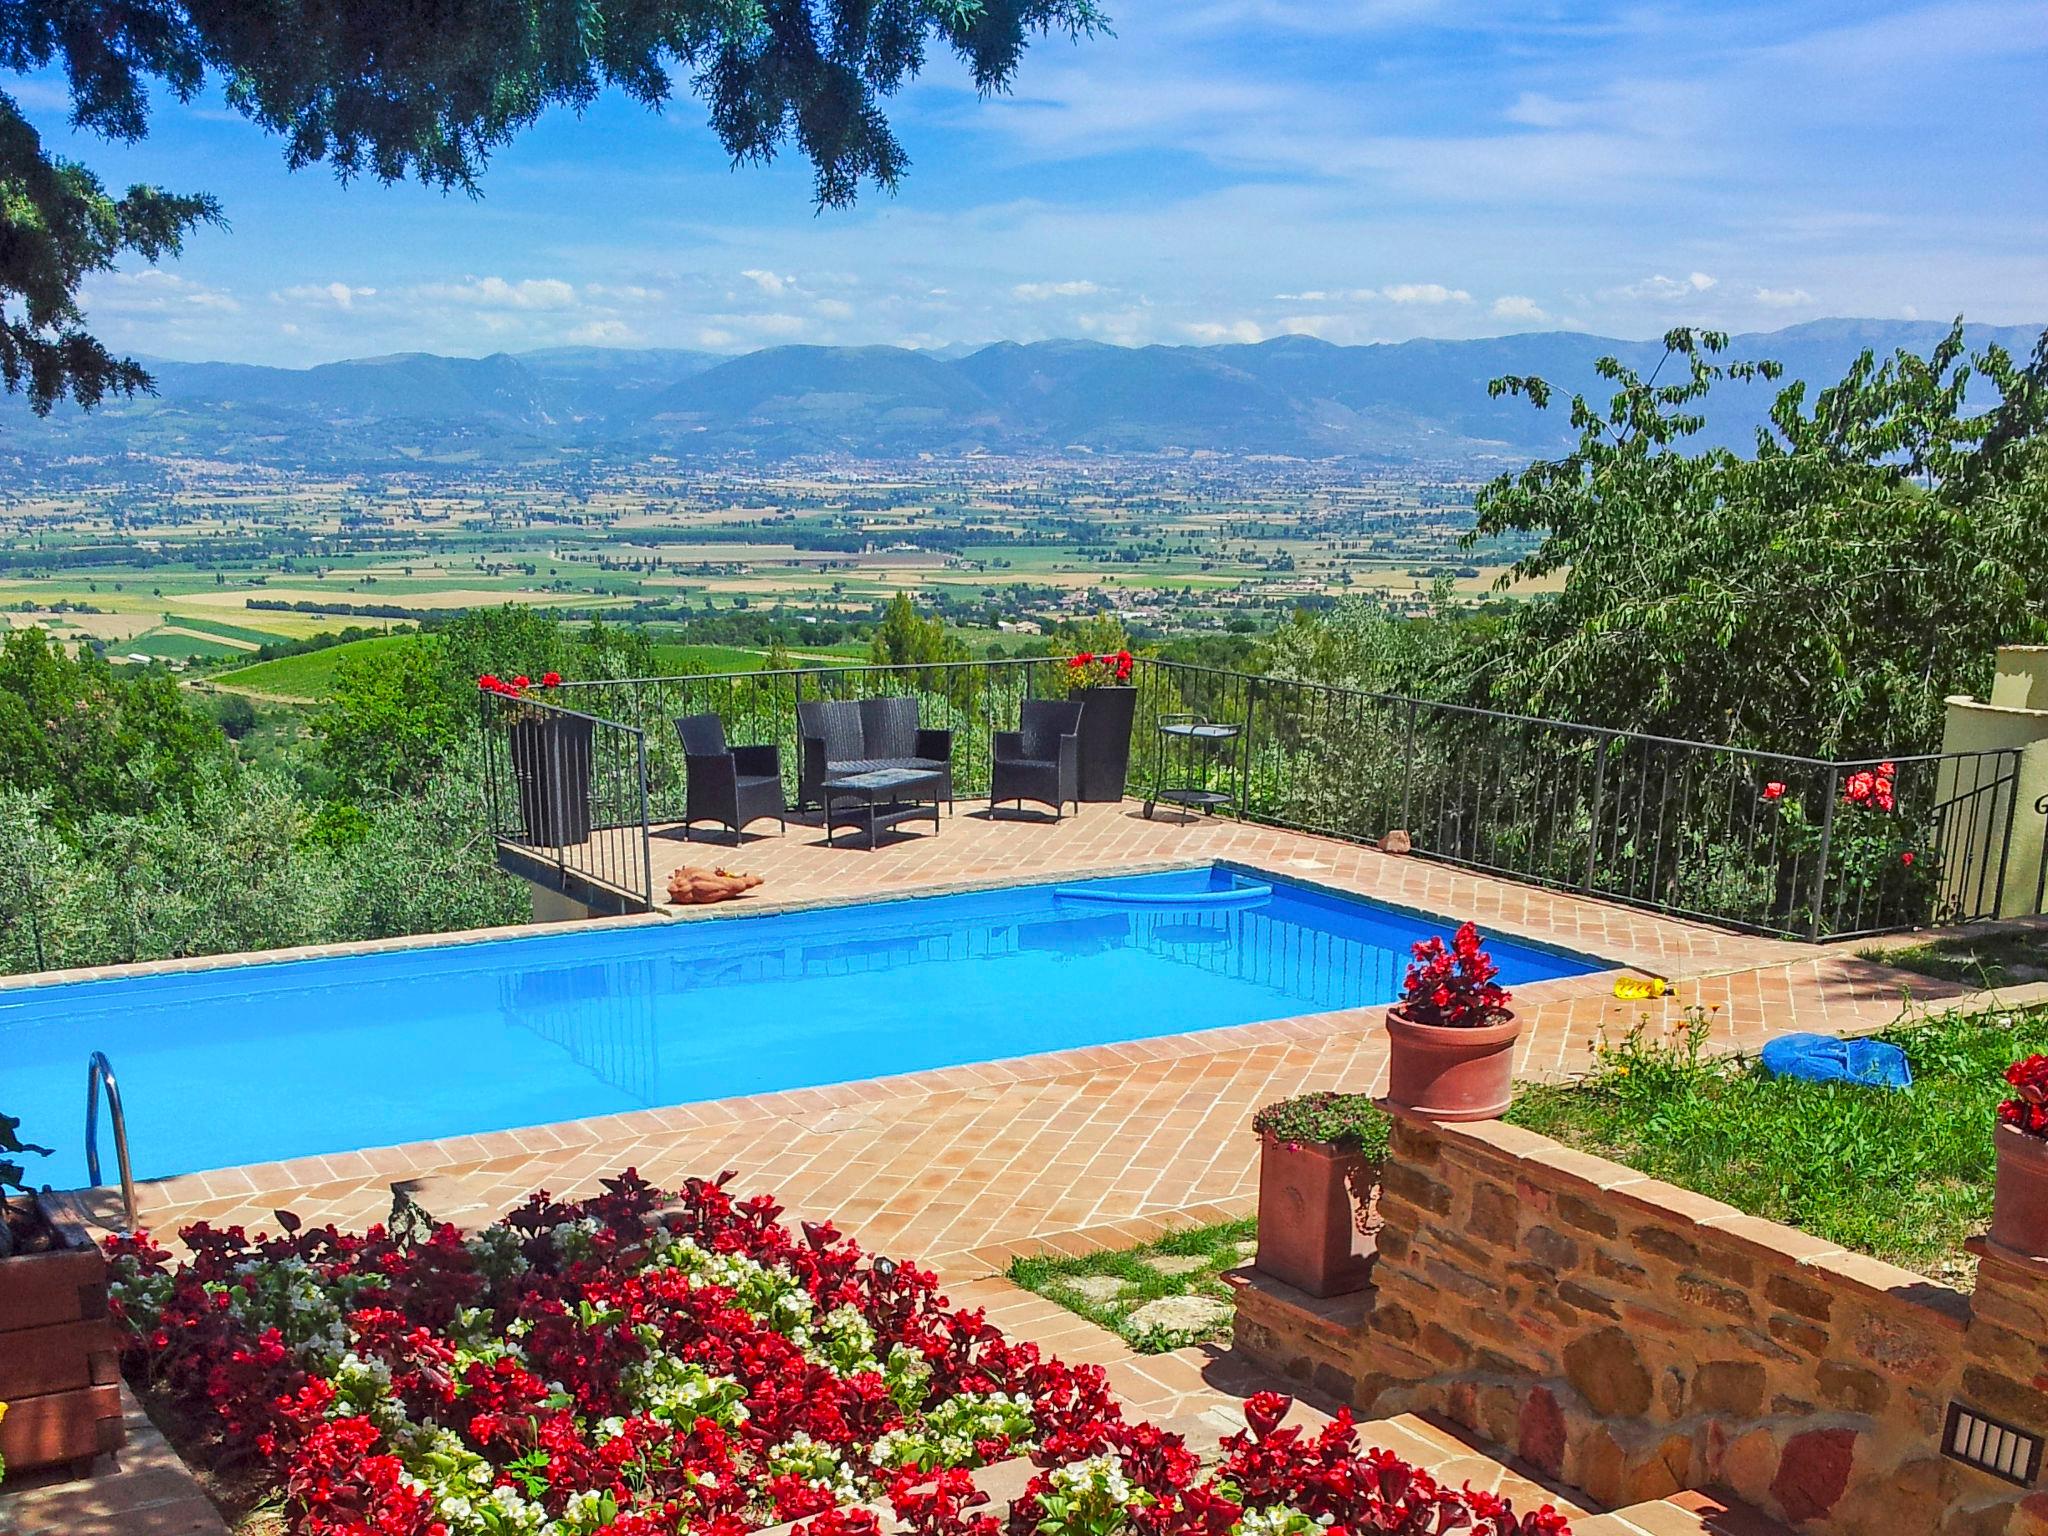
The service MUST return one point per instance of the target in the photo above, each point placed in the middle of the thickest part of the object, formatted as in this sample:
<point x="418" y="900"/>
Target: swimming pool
<point x="272" y="1060"/>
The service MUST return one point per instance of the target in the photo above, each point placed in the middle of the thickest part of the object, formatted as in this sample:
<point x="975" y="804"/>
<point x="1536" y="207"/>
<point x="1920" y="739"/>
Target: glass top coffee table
<point x="883" y="798"/>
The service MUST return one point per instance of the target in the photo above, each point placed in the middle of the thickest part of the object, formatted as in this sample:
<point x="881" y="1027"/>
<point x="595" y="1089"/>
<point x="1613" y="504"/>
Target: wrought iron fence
<point x="569" y="790"/>
<point x="1795" y="846"/>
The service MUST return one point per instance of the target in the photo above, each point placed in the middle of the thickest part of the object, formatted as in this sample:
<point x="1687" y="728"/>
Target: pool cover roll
<point x="1824" y="1059"/>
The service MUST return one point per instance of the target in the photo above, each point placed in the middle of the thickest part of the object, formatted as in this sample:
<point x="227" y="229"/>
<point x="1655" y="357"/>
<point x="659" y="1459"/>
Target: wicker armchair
<point x="1042" y="761"/>
<point x="729" y="785"/>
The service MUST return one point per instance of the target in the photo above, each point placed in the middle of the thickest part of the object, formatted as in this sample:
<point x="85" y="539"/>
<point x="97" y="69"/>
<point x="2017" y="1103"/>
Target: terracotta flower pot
<point x="1439" y="1073"/>
<point x="2019" y="1212"/>
<point x="1312" y="1235"/>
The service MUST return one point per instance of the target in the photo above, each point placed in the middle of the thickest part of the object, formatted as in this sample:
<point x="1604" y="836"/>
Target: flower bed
<point x="639" y="1364"/>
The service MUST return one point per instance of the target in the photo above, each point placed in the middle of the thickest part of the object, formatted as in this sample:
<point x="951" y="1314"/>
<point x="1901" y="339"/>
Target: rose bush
<point x="641" y="1364"/>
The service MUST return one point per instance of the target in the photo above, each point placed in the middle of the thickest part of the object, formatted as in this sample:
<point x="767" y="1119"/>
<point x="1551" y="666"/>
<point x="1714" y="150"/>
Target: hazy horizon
<point x="967" y="348"/>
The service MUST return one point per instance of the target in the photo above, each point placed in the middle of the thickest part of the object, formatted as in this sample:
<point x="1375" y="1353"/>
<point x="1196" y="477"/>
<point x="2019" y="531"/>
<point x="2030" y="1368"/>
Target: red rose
<point x="551" y="679"/>
<point x="1775" y="790"/>
<point x="1906" y="858"/>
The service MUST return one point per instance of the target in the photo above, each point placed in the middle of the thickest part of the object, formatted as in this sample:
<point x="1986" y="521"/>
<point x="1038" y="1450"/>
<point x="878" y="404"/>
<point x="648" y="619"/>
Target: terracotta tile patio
<point x="963" y="1166"/>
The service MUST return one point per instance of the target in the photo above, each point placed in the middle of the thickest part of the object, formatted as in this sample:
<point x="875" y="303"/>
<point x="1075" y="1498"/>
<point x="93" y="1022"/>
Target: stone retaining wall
<point x="1633" y="1339"/>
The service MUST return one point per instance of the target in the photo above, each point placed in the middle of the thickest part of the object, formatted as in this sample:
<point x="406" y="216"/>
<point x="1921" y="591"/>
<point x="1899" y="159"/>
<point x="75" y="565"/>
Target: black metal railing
<point x="1769" y="842"/>
<point x="973" y="699"/>
<point x="1795" y="846"/>
<point x="568" y="789"/>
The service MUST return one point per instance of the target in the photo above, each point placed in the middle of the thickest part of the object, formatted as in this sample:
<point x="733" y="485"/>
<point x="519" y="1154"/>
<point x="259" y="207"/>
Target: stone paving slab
<point x="144" y="1490"/>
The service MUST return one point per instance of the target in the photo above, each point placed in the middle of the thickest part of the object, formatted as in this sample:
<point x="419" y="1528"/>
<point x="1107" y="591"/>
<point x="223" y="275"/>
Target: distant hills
<point x="1409" y="402"/>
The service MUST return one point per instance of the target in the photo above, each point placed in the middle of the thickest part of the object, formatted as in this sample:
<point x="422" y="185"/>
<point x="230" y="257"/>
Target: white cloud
<point x="1783" y="298"/>
<point x="1123" y="326"/>
<point x="1033" y="293"/>
<point x="1513" y="306"/>
<point x="340" y="295"/>
<point x="1665" y="288"/>
<point x="834" y="309"/>
<point x="1225" y="330"/>
<point x="153" y="291"/>
<point x="713" y="338"/>
<point x="768" y="323"/>
<point x="774" y="284"/>
<point x="1424" y="293"/>
<point x="603" y="333"/>
<point x="622" y="293"/>
<point x="495" y="293"/>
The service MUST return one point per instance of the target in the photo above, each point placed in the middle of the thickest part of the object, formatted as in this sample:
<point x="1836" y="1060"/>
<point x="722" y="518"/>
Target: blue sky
<point x="1218" y="170"/>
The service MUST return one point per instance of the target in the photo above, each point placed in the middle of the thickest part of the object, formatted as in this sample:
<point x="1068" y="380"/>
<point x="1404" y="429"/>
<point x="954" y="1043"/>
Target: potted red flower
<point x="1452" y="1034"/>
<point x="551" y="755"/>
<point x="1102" y="682"/>
<point x="2019" y="1212"/>
<point x="1319" y="1173"/>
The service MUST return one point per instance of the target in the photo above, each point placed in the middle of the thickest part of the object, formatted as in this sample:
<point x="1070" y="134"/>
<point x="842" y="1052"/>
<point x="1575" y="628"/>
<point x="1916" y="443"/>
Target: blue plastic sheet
<point x="1824" y="1059"/>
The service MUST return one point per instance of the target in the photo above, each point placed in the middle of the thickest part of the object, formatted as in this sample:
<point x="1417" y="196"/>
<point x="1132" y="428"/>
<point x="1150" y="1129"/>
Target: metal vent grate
<point x="1991" y="1446"/>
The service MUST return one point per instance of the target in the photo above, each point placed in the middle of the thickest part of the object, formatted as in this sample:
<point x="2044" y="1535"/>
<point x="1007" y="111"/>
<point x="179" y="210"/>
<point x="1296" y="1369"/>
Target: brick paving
<point x="963" y="1167"/>
<point x="1071" y="1150"/>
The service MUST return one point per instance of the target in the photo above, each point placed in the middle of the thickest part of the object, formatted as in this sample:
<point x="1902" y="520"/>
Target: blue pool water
<point x="257" y="1062"/>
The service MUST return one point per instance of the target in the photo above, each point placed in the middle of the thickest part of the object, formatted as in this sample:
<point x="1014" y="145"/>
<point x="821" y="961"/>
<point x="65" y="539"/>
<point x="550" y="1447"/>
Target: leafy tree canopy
<point x="904" y="638"/>
<point x="1820" y="597"/>
<point x="395" y="90"/>
<point x="95" y="739"/>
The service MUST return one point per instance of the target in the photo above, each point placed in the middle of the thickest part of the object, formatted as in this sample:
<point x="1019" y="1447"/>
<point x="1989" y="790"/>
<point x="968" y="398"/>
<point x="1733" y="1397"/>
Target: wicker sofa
<point x="846" y="736"/>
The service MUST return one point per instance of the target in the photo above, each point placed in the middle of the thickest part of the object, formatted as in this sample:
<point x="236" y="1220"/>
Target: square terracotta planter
<point x="1313" y="1234"/>
<point x="2019" y="1214"/>
<point x="60" y="1363"/>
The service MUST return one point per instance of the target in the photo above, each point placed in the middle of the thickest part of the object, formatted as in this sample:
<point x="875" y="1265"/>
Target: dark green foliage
<point x="1348" y="1121"/>
<point x="1905" y="1176"/>
<point x="1819" y="597"/>
<point x="12" y="1148"/>
<point x="235" y="715"/>
<point x="397" y="91"/>
<point x="96" y="739"/>
<point x="392" y="719"/>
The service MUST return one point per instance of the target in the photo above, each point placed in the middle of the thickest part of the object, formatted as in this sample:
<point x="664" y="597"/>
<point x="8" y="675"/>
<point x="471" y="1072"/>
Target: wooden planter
<point x="60" y="1368"/>
<point x="1105" y="756"/>
<point x="1313" y="1233"/>
<point x="2019" y="1211"/>
<point x="1440" y="1073"/>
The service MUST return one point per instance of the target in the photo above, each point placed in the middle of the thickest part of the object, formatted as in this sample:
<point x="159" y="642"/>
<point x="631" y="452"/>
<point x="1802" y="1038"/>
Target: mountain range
<point x="1414" y="402"/>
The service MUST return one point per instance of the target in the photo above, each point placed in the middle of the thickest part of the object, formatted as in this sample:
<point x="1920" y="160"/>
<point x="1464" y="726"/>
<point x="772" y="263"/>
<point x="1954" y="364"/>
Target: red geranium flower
<point x="2027" y="1110"/>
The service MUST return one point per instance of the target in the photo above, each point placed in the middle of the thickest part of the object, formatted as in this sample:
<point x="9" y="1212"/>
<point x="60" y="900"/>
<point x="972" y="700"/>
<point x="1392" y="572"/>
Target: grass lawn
<point x="310" y="676"/>
<point x="1904" y="1176"/>
<point x="1164" y="1295"/>
<point x="678" y="658"/>
<point x="2000" y="960"/>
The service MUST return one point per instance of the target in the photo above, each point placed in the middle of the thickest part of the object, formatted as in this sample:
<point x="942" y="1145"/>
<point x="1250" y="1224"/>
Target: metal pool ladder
<point x="99" y="1073"/>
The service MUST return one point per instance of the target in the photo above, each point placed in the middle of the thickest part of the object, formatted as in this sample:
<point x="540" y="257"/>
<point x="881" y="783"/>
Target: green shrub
<point x="1348" y="1121"/>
